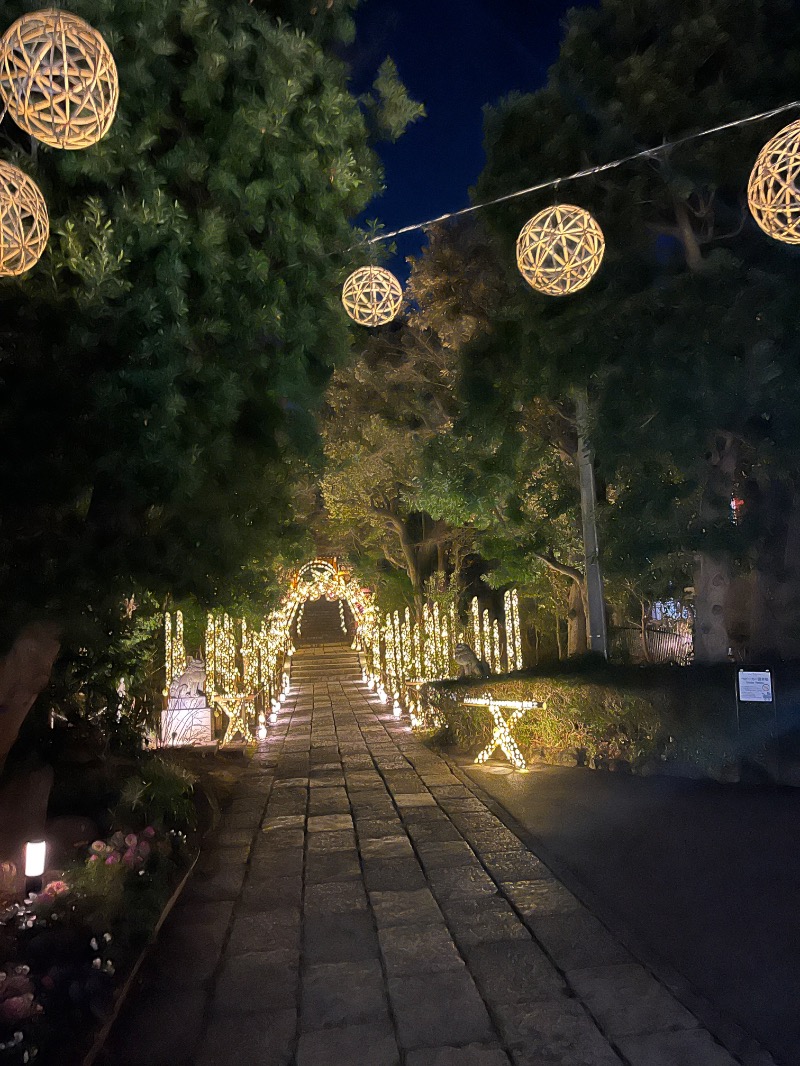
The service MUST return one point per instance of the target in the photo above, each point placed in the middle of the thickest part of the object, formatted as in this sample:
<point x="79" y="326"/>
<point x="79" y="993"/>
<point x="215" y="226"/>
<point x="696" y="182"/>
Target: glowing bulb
<point x="397" y="710"/>
<point x="282" y="698"/>
<point x="35" y="853"/>
<point x="262" y="732"/>
<point x="371" y="684"/>
<point x="273" y="718"/>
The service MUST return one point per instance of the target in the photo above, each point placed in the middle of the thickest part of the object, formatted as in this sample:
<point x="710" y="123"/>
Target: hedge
<point x="646" y="719"/>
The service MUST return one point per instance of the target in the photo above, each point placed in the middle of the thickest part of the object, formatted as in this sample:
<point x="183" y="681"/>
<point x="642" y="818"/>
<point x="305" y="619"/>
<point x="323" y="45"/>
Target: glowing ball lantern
<point x="58" y="79"/>
<point x="24" y="222"/>
<point x="773" y="192"/>
<point x="372" y="296"/>
<point x="560" y="250"/>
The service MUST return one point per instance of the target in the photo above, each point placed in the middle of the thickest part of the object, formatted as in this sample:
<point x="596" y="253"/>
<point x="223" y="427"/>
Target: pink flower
<point x="129" y="857"/>
<point x="149" y="832"/>
<point x="93" y="858"/>
<point x="130" y="840"/>
<point x="56" y="888"/>
<point x="98" y="847"/>
<point x="112" y="858"/>
<point x="144" y="849"/>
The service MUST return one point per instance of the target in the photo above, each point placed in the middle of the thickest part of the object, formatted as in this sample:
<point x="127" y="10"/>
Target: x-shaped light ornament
<point x="501" y="734"/>
<point x="235" y="707"/>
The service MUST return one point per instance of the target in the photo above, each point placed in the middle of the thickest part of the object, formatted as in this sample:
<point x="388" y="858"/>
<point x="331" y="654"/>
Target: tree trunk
<point x="789" y="637"/>
<point x="643" y="626"/>
<point x="24" y="673"/>
<point x="712" y="575"/>
<point x="559" y="645"/>
<point x="576" y="621"/>
<point x="712" y="580"/>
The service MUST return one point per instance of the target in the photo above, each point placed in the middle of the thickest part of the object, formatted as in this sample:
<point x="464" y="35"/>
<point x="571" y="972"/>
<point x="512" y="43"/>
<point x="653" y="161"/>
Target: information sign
<point x="755" y="686"/>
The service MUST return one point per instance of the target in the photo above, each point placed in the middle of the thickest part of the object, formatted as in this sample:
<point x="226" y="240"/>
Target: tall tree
<point x="687" y="334"/>
<point x="159" y="368"/>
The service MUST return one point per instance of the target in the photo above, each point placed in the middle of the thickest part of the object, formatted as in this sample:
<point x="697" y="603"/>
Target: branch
<point x="561" y="568"/>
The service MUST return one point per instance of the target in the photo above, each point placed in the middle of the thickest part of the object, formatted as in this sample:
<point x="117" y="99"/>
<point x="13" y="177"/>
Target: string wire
<point x="646" y="153"/>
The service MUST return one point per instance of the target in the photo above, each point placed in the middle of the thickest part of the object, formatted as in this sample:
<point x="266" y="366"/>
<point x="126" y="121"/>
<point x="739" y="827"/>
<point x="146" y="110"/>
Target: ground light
<point x="35" y="856"/>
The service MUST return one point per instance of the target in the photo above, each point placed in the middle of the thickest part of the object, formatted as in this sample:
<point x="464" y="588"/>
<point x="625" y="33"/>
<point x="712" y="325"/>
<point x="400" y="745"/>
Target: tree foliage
<point x="687" y="334"/>
<point x="160" y="367"/>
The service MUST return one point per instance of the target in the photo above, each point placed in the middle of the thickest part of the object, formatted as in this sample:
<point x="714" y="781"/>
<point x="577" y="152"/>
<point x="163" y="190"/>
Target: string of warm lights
<point x="405" y="654"/>
<point x="561" y="248"/>
<point x="502" y="736"/>
<point x="397" y="652"/>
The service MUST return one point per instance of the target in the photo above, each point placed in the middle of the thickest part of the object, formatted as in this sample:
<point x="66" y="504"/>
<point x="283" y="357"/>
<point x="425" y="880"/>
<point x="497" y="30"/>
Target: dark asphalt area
<point x="707" y="877"/>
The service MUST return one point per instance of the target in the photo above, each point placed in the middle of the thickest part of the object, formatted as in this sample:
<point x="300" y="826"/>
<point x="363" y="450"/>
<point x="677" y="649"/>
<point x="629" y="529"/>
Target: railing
<point x="663" y="646"/>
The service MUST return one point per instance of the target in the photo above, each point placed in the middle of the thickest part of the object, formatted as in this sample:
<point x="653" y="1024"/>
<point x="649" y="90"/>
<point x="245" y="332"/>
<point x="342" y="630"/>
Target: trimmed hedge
<point x="646" y="719"/>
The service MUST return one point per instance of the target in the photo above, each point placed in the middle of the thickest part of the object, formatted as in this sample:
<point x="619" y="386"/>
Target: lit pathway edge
<point x="366" y="898"/>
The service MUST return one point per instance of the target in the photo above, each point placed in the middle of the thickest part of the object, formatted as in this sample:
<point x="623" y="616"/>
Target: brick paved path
<point x="362" y="907"/>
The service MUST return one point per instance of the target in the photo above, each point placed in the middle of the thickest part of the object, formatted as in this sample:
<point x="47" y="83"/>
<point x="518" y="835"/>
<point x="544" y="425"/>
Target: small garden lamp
<point x="35" y="855"/>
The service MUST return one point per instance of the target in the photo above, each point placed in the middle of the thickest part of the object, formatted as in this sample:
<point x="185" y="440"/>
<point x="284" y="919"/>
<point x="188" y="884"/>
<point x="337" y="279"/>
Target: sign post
<point x="755" y="689"/>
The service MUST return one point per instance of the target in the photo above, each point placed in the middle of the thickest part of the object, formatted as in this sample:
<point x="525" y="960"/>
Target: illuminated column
<point x="445" y="643"/>
<point x="168" y="648"/>
<point x="486" y="653"/>
<point x="518" y="664"/>
<point x="178" y="648"/>
<point x="498" y="662"/>
<point x="211" y="658"/>
<point x="476" y="626"/>
<point x="428" y="649"/>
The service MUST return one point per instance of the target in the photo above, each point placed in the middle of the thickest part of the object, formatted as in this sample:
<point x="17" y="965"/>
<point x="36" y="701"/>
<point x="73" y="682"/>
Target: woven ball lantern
<point x="58" y="79"/>
<point x="372" y="296"/>
<point x="560" y="250"/>
<point x="773" y="192"/>
<point x="24" y="223"/>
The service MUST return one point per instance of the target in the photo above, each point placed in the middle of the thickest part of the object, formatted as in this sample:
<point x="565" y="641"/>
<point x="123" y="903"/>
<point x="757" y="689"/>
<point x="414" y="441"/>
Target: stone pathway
<point x="362" y="907"/>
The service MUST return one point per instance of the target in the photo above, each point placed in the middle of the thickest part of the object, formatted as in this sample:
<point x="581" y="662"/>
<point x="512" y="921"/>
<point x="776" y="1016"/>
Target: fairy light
<point x="515" y="626"/>
<point x="178" y="647"/>
<point x="497" y="662"/>
<point x="168" y="650"/>
<point x="211" y="658"/>
<point x="501" y="733"/>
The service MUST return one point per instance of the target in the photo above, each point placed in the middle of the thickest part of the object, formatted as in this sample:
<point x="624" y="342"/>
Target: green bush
<point x="159" y="794"/>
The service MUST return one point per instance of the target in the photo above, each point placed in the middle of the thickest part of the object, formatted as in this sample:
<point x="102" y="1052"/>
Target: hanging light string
<point x="588" y="172"/>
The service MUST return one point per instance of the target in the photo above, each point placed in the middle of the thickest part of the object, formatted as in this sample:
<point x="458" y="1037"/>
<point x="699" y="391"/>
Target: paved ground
<point x="362" y="906"/>
<point x="704" y="875"/>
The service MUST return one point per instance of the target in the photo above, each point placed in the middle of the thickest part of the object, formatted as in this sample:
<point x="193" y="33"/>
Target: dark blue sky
<point x="455" y="58"/>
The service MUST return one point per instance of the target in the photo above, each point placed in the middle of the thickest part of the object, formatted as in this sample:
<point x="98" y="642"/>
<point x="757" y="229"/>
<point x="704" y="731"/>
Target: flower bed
<point x="601" y="716"/>
<point x="66" y="949"/>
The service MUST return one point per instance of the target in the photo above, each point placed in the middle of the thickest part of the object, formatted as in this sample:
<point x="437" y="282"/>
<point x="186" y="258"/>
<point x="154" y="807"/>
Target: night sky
<point x="455" y="58"/>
